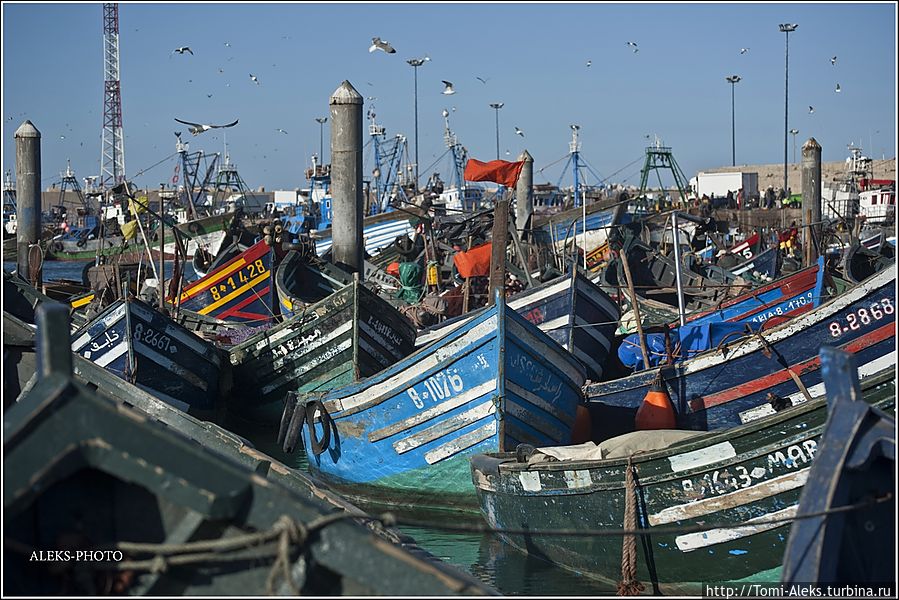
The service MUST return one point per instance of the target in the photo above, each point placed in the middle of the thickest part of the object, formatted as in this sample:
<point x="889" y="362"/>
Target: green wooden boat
<point x="101" y="498"/>
<point x="353" y="333"/>
<point x="701" y="504"/>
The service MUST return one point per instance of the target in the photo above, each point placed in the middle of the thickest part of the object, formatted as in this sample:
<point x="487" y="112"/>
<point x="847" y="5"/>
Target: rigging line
<point x="553" y="163"/>
<point x="626" y="166"/>
<point x="593" y="172"/>
<point x="439" y="158"/>
<point x="142" y="171"/>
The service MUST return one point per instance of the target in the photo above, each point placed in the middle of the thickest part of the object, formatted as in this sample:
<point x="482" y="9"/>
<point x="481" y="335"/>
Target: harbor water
<point x="483" y="555"/>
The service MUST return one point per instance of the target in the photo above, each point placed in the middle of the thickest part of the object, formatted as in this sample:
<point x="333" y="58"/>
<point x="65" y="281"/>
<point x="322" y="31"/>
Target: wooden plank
<point x="498" y="250"/>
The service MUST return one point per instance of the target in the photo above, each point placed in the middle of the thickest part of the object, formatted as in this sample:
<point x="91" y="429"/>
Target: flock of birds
<point x="377" y="44"/>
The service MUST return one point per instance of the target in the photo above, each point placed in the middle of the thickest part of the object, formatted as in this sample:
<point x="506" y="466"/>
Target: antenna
<point x="112" y="158"/>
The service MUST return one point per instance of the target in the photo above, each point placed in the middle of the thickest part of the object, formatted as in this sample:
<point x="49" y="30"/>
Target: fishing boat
<point x="141" y="345"/>
<point x="302" y="280"/>
<point x="708" y="507"/>
<point x="570" y="309"/>
<point x="587" y="227"/>
<point x="726" y="386"/>
<point x="242" y="289"/>
<point x="147" y="501"/>
<point x="855" y="465"/>
<point x="761" y="308"/>
<point x="350" y="334"/>
<point x="403" y="436"/>
<point x="378" y="231"/>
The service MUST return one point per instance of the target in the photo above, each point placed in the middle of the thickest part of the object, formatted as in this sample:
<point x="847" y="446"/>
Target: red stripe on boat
<point x="768" y="381"/>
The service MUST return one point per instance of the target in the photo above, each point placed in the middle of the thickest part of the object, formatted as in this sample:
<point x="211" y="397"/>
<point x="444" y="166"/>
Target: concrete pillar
<point x="524" y="193"/>
<point x="811" y="197"/>
<point x="346" y="178"/>
<point x="28" y="199"/>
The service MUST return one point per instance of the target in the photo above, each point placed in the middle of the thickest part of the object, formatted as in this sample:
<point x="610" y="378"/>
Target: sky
<point x="533" y="57"/>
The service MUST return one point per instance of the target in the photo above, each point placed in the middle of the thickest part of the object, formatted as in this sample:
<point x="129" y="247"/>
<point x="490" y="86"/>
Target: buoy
<point x="656" y="412"/>
<point x="583" y="426"/>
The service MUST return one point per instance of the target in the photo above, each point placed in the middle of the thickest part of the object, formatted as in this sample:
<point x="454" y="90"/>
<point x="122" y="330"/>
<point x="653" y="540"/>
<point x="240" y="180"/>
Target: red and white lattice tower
<point x="112" y="159"/>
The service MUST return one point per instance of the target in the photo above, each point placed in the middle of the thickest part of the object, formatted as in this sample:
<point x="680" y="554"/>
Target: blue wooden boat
<point x="403" y="437"/>
<point x="378" y="232"/>
<point x="709" y="508"/>
<point x="761" y="308"/>
<point x="301" y="282"/>
<point x="147" y="348"/>
<point x="570" y="226"/>
<point x="571" y="309"/>
<point x="855" y="464"/>
<point x="350" y="334"/>
<point x="728" y="385"/>
<point x="242" y="289"/>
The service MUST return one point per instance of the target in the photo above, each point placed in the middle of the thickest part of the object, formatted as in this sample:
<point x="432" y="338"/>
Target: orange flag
<point x="498" y="171"/>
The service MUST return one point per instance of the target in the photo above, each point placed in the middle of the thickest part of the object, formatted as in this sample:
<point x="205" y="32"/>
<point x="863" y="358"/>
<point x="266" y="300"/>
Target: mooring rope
<point x="629" y="585"/>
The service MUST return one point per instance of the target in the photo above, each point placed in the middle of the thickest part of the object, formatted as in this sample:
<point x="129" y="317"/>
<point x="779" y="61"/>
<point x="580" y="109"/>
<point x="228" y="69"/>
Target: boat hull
<point x="725" y="387"/>
<point x="350" y="334"/>
<point x="144" y="347"/>
<point x="713" y="481"/>
<point x="404" y="436"/>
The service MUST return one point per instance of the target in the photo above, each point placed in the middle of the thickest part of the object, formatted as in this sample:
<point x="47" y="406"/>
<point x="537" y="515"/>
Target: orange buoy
<point x="583" y="426"/>
<point x="656" y="412"/>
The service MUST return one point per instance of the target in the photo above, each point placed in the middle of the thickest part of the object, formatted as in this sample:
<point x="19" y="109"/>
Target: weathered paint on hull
<point x="300" y="284"/>
<point x="491" y="384"/>
<point x="719" y="388"/>
<point x="744" y="475"/>
<point x="147" y="348"/>
<point x="350" y="334"/>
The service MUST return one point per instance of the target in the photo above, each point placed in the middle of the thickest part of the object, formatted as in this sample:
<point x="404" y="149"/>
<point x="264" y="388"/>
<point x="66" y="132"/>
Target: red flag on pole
<point x="498" y="171"/>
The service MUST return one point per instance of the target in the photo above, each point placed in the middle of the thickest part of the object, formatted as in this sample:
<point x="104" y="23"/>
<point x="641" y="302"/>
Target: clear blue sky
<point x="533" y="57"/>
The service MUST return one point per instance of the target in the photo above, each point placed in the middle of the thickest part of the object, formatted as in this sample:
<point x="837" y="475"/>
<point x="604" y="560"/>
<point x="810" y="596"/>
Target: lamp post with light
<point x="786" y="28"/>
<point x="733" y="80"/>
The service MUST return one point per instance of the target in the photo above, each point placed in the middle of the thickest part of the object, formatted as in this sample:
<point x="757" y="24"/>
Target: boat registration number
<point x="245" y="275"/>
<point x="863" y="316"/>
<point x="439" y="386"/>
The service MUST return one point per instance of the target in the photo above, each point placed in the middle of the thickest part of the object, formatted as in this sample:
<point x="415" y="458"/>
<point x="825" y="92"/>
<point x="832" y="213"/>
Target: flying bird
<point x="448" y="90"/>
<point x="182" y="50"/>
<point x="519" y="132"/>
<point x="838" y="88"/>
<point x="744" y="50"/>
<point x="253" y="79"/>
<point x="227" y="44"/>
<point x="281" y="131"/>
<point x="634" y="45"/>
<point x="198" y="128"/>
<point x="379" y="44"/>
<point x="482" y="80"/>
<point x="589" y="62"/>
<point x="811" y="109"/>
<point x="833" y="60"/>
<point x="209" y="95"/>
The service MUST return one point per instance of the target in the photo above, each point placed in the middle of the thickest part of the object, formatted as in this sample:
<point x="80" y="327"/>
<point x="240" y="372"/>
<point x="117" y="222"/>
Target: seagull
<point x="589" y="62"/>
<point x="253" y="79"/>
<point x="634" y="44"/>
<point x="281" y="131"/>
<point x="519" y="132"/>
<point x="744" y="50"/>
<point x="227" y="44"/>
<point x="482" y="80"/>
<point x="833" y="61"/>
<point x="378" y="44"/>
<point x="209" y="95"/>
<point x="182" y="50"/>
<point x="198" y="128"/>
<point x="811" y="109"/>
<point x="838" y="88"/>
<point x="448" y="90"/>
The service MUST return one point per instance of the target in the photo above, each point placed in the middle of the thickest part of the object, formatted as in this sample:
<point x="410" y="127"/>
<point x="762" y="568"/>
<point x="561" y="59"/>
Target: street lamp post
<point x="786" y="28"/>
<point x="794" y="133"/>
<point x="321" y="122"/>
<point x="415" y="63"/>
<point x="496" y="106"/>
<point x="732" y="80"/>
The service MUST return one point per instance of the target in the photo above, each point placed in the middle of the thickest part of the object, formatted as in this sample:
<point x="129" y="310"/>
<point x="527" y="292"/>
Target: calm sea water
<point x="484" y="556"/>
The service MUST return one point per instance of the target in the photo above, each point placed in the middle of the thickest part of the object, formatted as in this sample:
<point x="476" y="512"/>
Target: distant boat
<point x="404" y="435"/>
<point x="725" y="485"/>
<point x="347" y="335"/>
<point x="145" y="347"/>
